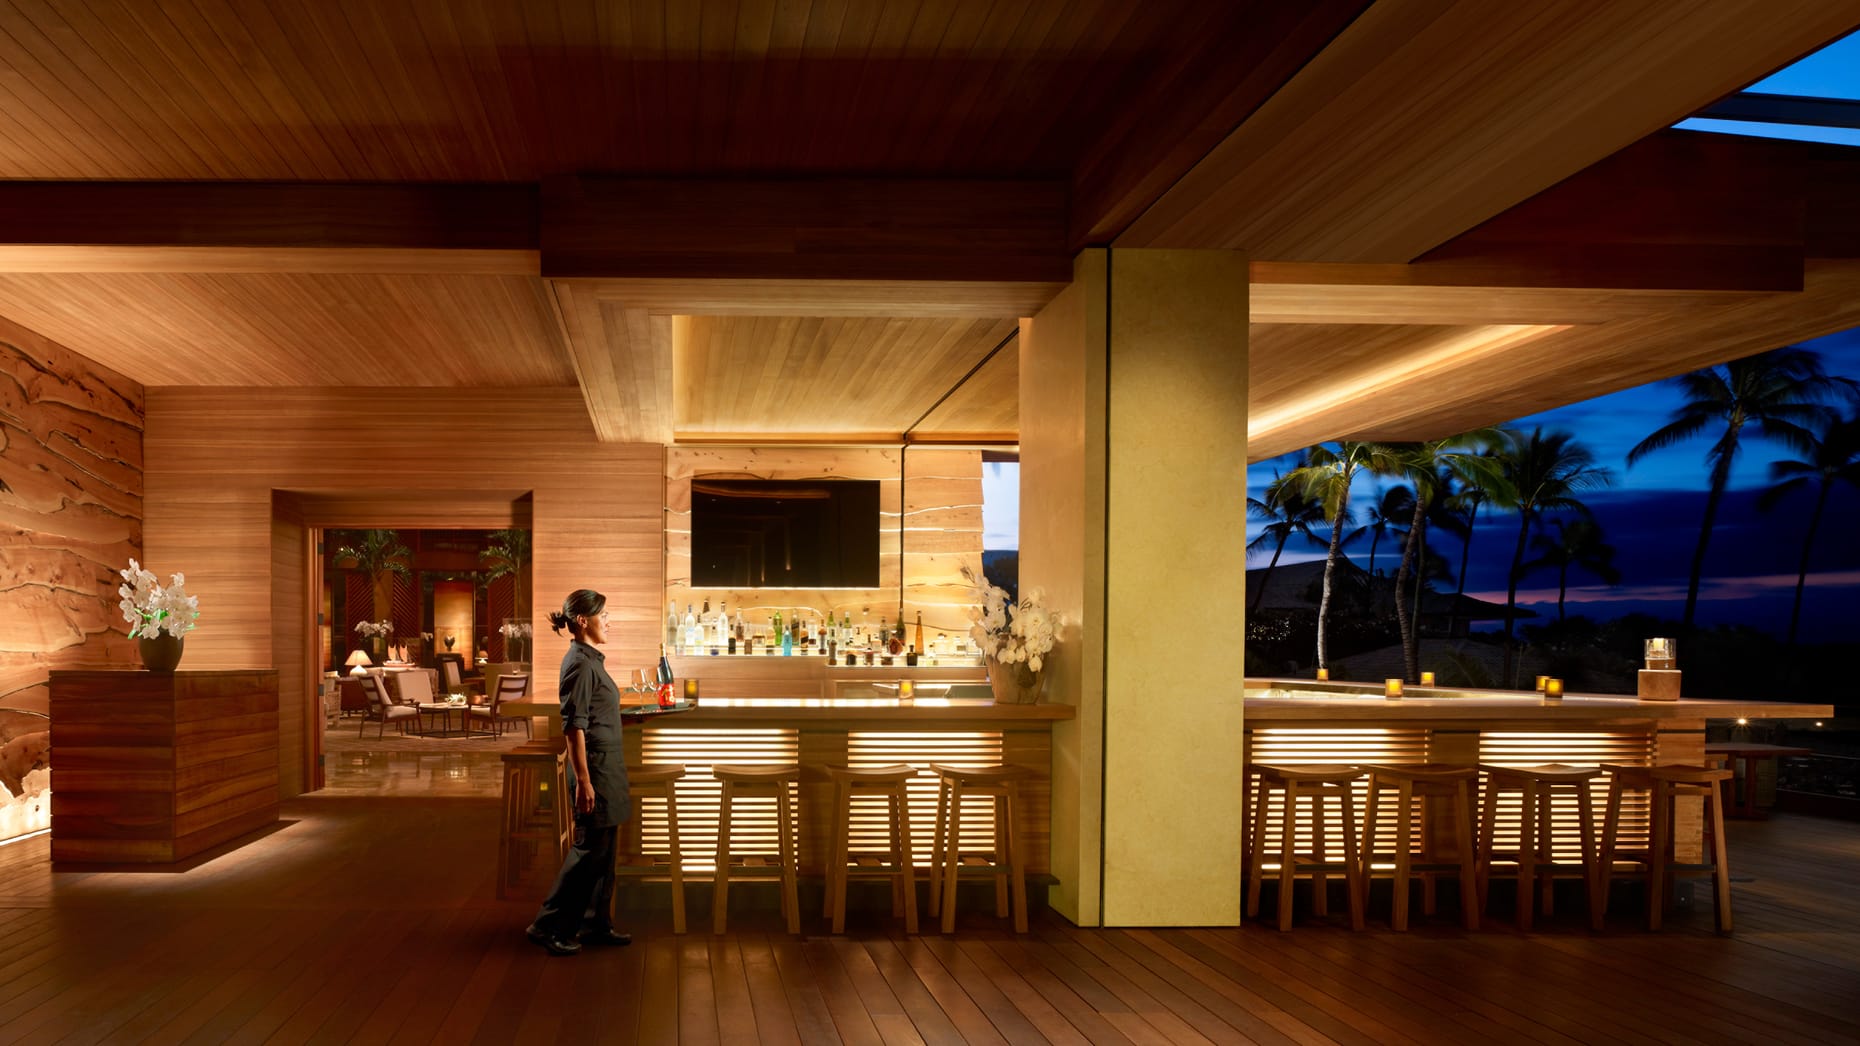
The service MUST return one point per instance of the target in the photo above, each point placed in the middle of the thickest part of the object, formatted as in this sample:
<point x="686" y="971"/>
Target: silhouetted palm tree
<point x="1391" y="507"/>
<point x="1285" y="511"/>
<point x="1464" y="505"/>
<point x="1578" y="543"/>
<point x="1325" y="477"/>
<point x="1833" y="457"/>
<point x="1434" y="467"/>
<point x="1542" y="473"/>
<point x="1781" y="394"/>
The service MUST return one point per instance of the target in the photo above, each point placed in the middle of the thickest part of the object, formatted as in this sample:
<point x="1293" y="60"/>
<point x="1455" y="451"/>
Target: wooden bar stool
<point x="1316" y="783"/>
<point x="1006" y="863"/>
<point x="1535" y="855"/>
<point x="1666" y="784"/>
<point x="653" y="782"/>
<point x="1425" y="781"/>
<point x="757" y="782"/>
<point x="535" y="774"/>
<point x="887" y="782"/>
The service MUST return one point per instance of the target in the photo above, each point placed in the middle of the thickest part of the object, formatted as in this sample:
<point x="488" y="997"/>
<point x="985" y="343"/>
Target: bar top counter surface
<point x="1307" y="700"/>
<point x="766" y="710"/>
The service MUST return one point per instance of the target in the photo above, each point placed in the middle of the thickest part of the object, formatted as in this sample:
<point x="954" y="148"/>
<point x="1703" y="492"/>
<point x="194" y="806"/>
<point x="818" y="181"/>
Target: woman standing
<point x="579" y="909"/>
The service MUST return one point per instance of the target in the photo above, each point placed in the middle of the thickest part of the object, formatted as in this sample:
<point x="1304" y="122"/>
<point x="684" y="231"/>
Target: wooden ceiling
<point x="653" y="201"/>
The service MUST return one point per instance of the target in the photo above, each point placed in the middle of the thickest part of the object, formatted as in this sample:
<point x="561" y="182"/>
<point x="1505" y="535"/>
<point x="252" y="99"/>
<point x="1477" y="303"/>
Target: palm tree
<point x="381" y="556"/>
<point x="1325" y="477"/>
<point x="1463" y="504"/>
<point x="508" y="555"/>
<point x="1390" y="508"/>
<point x="1781" y="394"/>
<point x="1578" y="543"/>
<point x="1542" y="473"/>
<point x="1434" y="466"/>
<point x="1833" y="457"/>
<point x="1285" y="511"/>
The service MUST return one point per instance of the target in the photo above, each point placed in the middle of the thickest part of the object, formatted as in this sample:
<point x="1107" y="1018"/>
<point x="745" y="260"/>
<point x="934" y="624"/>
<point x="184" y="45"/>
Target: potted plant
<point x="159" y="618"/>
<point x="1015" y="638"/>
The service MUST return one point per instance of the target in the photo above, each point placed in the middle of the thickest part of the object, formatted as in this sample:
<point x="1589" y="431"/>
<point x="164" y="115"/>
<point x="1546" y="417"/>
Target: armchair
<point x="452" y="676"/>
<point x="382" y="708"/>
<point x="511" y="686"/>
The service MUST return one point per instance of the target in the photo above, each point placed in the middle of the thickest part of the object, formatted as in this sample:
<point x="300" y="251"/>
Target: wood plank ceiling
<point x="1385" y="164"/>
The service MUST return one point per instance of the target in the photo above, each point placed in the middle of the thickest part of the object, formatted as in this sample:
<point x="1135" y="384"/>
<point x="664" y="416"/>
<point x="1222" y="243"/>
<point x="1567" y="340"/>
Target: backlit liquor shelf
<point x="801" y="677"/>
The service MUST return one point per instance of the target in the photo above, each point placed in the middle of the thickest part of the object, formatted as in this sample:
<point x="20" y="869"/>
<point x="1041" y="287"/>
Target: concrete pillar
<point x="1133" y="456"/>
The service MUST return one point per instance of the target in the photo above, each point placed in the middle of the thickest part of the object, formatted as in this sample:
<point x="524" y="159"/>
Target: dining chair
<point x="511" y="686"/>
<point x="382" y="708"/>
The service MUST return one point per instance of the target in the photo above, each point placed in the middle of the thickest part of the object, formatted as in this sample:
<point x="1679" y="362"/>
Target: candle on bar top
<point x="906" y="691"/>
<point x="1323" y="674"/>
<point x="1391" y="687"/>
<point x="1427" y="679"/>
<point x="691" y="691"/>
<point x="1553" y="688"/>
<point x="1541" y="681"/>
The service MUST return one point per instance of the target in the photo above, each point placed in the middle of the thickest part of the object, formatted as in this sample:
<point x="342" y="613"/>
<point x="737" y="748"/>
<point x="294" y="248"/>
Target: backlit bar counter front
<point x="819" y="732"/>
<point x="1293" y="721"/>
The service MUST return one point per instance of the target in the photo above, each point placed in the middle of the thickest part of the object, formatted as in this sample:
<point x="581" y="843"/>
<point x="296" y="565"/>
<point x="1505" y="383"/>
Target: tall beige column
<point x="1133" y="500"/>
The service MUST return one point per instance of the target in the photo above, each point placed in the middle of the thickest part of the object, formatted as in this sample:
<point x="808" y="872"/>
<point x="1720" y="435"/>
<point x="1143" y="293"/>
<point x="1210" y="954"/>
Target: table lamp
<point x="358" y="661"/>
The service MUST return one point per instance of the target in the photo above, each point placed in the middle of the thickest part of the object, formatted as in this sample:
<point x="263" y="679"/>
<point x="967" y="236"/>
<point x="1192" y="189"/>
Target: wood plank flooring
<point x="370" y="918"/>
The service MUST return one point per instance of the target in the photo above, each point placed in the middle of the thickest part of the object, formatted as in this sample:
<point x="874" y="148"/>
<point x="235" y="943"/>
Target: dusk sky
<point x="1652" y="514"/>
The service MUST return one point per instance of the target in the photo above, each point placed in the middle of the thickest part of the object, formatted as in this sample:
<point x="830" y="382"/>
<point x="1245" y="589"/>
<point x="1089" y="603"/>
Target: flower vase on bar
<point x="1015" y="638"/>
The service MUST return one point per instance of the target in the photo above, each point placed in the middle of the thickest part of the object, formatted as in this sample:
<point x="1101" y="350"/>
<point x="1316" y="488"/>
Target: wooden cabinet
<point x="156" y="768"/>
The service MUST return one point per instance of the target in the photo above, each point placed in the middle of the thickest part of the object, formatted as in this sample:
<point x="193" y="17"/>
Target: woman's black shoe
<point x="555" y="945"/>
<point x="609" y="937"/>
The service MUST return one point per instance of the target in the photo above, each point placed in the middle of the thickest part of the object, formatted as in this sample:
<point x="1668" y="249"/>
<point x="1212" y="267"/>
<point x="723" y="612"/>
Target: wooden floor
<point x="370" y="919"/>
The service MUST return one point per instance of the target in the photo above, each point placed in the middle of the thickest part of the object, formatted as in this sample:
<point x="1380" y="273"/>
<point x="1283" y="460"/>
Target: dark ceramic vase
<point x="162" y="653"/>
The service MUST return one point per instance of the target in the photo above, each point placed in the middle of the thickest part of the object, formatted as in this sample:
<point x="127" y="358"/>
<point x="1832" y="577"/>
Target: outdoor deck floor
<point x="370" y="918"/>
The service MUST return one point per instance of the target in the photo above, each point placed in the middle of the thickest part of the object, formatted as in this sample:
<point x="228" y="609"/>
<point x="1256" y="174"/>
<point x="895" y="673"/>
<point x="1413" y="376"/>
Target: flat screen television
<point x="778" y="533"/>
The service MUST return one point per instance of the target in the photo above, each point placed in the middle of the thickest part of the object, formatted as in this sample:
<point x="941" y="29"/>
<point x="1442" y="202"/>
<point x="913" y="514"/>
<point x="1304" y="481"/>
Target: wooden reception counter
<point x="157" y="767"/>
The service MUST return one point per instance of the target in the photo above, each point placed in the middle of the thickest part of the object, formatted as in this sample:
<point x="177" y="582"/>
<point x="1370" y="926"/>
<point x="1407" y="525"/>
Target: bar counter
<point x="1292" y="721"/>
<point x="816" y="733"/>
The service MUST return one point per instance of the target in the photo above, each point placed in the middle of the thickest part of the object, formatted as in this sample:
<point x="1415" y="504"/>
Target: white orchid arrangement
<point x="1022" y="633"/>
<point x="151" y="609"/>
<point x="375" y="628"/>
<point x="515" y="630"/>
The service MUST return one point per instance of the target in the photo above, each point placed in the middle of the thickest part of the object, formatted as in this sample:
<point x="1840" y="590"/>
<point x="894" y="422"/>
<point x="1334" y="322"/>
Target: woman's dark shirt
<point x="591" y="703"/>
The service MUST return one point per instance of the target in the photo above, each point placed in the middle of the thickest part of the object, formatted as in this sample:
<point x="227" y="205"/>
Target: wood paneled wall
<point x="940" y="519"/>
<point x="218" y="455"/>
<point x="71" y="507"/>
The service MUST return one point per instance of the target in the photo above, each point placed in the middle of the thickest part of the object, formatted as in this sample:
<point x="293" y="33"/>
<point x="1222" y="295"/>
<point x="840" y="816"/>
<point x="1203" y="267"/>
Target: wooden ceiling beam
<point x="1423" y="119"/>
<point x="269" y="214"/>
<point x="800" y="297"/>
<point x="811" y="229"/>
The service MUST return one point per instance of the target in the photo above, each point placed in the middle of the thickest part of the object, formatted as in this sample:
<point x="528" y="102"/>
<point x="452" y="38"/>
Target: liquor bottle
<point x="665" y="669"/>
<point x="742" y="632"/>
<point x="910" y="657"/>
<point x="726" y="631"/>
<point x="895" y="643"/>
<point x="787" y="642"/>
<point x="693" y="638"/>
<point x="919" y="637"/>
<point x="775" y="630"/>
<point x="703" y="627"/>
<point x="880" y="639"/>
<point x="671" y="627"/>
<point x="865" y="626"/>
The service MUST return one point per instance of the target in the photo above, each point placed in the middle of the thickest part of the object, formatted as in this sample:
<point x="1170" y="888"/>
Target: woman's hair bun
<point x="558" y="620"/>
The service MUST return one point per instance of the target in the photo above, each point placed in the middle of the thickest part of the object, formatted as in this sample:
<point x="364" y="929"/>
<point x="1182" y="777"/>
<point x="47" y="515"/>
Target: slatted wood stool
<point x="888" y="783"/>
<point x="1315" y="782"/>
<point x="1424" y="781"/>
<point x="630" y="862"/>
<point x="757" y="782"/>
<point x="1006" y="863"/>
<point x="1535" y="857"/>
<point x="537" y="827"/>
<point x="1666" y="784"/>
